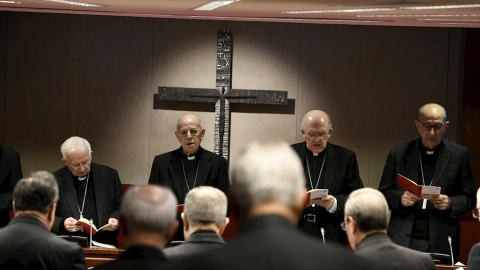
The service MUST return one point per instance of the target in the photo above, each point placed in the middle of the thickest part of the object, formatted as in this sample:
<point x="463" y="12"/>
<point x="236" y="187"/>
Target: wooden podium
<point x="95" y="256"/>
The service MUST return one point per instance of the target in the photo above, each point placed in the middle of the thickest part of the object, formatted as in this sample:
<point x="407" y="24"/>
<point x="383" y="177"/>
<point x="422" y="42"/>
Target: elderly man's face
<point x="431" y="127"/>
<point x="189" y="134"/>
<point x="79" y="162"/>
<point x="316" y="134"/>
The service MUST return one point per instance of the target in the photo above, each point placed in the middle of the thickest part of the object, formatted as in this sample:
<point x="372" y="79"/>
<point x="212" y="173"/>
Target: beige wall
<point x="96" y="77"/>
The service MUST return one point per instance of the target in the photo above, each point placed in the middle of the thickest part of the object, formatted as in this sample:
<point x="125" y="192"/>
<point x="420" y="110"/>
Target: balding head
<point x="431" y="124"/>
<point x="149" y="208"/>
<point x="189" y="133"/>
<point x="316" y="129"/>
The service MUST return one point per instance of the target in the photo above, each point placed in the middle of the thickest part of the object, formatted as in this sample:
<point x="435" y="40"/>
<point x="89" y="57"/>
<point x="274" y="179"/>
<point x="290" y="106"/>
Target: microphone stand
<point x="91" y="224"/>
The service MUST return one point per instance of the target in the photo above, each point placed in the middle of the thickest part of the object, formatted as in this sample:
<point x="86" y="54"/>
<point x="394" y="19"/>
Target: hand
<point x="70" y="226"/>
<point x="112" y="224"/>
<point x="441" y="202"/>
<point x="409" y="199"/>
<point x="326" y="202"/>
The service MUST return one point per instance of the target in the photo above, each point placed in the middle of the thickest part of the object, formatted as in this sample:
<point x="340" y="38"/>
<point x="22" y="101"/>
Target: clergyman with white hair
<point x="204" y="221"/>
<point x="268" y="190"/>
<point x="366" y="220"/>
<point x="87" y="190"/>
<point x="148" y="221"/>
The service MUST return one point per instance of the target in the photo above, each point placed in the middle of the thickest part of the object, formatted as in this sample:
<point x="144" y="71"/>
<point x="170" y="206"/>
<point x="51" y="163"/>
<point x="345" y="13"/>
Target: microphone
<point x="322" y="230"/>
<point x="451" y="250"/>
<point x="91" y="224"/>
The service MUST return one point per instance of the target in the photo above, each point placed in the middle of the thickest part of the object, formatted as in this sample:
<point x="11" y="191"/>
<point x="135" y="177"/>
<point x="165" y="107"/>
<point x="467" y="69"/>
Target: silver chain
<point x="185" y="176"/>
<point x="84" y="195"/>
<point x="320" y="174"/>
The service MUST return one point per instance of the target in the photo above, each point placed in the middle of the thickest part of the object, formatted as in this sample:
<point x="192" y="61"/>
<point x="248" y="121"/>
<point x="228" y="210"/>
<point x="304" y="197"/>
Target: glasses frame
<point x="185" y="132"/>
<point x="427" y="127"/>
<point x="475" y="213"/>
<point x="313" y="135"/>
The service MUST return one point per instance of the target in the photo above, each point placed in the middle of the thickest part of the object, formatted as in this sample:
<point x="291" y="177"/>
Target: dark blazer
<point x="198" y="242"/>
<point x="453" y="173"/>
<point x="108" y="199"/>
<point x="10" y="174"/>
<point x="273" y="242"/>
<point x="137" y="258"/>
<point x="27" y="244"/>
<point x="167" y="171"/>
<point x="389" y="256"/>
<point x="474" y="258"/>
<point x="341" y="178"/>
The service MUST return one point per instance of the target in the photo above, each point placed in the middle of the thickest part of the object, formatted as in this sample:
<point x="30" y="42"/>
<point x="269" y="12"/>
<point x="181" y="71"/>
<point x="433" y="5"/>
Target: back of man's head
<point x="149" y="208"/>
<point x="36" y="192"/>
<point x="267" y="172"/>
<point x="369" y="208"/>
<point x="205" y="205"/>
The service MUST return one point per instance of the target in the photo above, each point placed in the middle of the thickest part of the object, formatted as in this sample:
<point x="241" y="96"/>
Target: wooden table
<point x="95" y="256"/>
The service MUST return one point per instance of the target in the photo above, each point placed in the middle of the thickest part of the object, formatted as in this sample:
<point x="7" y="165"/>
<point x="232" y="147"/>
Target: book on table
<point x="85" y="223"/>
<point x="316" y="194"/>
<point x="425" y="192"/>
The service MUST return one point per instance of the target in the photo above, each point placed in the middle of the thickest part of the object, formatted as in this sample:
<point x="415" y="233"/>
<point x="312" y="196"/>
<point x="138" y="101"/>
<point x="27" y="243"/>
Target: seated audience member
<point x="147" y="220"/>
<point x="268" y="188"/>
<point x="26" y="242"/>
<point x="204" y="220"/>
<point x="366" y="220"/>
<point x="474" y="255"/>
<point x="87" y="190"/>
<point x="10" y="174"/>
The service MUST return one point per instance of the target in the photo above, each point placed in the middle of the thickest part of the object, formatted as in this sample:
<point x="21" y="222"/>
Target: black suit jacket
<point x="167" y="171"/>
<point x="474" y="258"/>
<point x="389" y="256"/>
<point x="341" y="178"/>
<point x="138" y="258"/>
<point x="199" y="241"/>
<point x="273" y="242"/>
<point x="108" y="199"/>
<point x="27" y="244"/>
<point x="10" y="174"/>
<point x="453" y="173"/>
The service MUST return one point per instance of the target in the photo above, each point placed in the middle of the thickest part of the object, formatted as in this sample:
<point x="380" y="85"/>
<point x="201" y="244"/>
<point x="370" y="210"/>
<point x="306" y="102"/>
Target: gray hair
<point x="74" y="144"/>
<point x="205" y="205"/>
<point x="149" y="211"/>
<point x="303" y="121"/>
<point x="267" y="172"/>
<point x="36" y="192"/>
<point x="369" y="208"/>
<point x="420" y="111"/>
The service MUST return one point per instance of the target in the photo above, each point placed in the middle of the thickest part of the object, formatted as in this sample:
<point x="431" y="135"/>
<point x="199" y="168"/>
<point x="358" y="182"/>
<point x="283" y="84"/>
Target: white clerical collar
<point x="314" y="154"/>
<point x="191" y="157"/>
<point x="83" y="177"/>
<point x="430" y="152"/>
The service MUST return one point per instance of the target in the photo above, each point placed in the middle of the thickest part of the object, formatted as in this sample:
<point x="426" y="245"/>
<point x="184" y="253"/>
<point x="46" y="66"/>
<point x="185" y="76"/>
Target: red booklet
<point x="315" y="194"/>
<point x="426" y="192"/>
<point x="85" y="223"/>
<point x="180" y="208"/>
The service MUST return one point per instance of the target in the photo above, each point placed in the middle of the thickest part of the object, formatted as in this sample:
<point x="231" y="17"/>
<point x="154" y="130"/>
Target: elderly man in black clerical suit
<point x="26" y="243"/>
<point x="87" y="190"/>
<point x="147" y="220"/>
<point x="421" y="224"/>
<point x="10" y="174"/>
<point x="190" y="165"/>
<point x="326" y="166"/>
<point x="268" y="188"/>
<point x="366" y="220"/>
<point x="204" y="220"/>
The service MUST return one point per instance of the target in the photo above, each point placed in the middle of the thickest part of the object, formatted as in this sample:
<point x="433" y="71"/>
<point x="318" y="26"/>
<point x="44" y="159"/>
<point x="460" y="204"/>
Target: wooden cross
<point x="223" y="95"/>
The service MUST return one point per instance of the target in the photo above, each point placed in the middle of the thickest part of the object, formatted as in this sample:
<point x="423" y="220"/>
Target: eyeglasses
<point x="193" y="132"/>
<point x="342" y="225"/>
<point x="475" y="213"/>
<point x="313" y="135"/>
<point x="428" y="127"/>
